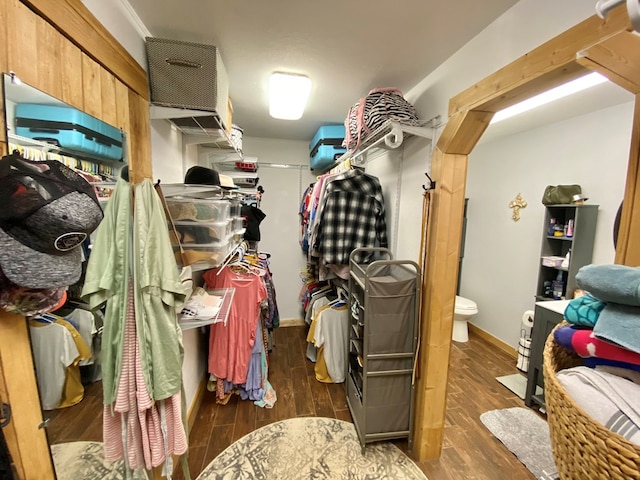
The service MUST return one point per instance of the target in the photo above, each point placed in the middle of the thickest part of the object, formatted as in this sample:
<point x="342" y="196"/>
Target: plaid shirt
<point x="352" y="216"/>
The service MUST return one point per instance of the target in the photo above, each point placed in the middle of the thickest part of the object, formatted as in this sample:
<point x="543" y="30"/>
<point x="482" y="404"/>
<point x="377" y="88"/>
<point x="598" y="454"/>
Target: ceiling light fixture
<point x="574" y="86"/>
<point x="288" y="95"/>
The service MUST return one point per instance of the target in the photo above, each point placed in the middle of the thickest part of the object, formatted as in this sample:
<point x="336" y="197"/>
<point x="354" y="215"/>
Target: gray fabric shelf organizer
<point x="384" y="297"/>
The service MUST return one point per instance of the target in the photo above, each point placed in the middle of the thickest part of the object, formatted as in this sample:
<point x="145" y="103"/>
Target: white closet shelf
<point x="390" y="135"/>
<point x="50" y="147"/>
<point x="199" y="191"/>
<point x="200" y="127"/>
<point x="227" y="295"/>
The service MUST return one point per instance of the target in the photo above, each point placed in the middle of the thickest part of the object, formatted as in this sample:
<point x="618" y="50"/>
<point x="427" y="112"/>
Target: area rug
<point x="309" y="448"/>
<point x="526" y="435"/>
<point x="85" y="460"/>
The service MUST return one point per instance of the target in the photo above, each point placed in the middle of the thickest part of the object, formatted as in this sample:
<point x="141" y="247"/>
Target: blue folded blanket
<point x="611" y="283"/>
<point x="583" y="311"/>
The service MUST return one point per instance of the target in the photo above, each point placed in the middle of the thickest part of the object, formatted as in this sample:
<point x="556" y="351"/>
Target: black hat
<point x="202" y="176"/>
<point x="47" y="211"/>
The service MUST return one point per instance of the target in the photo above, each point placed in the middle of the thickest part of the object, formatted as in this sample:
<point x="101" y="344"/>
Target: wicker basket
<point x="582" y="448"/>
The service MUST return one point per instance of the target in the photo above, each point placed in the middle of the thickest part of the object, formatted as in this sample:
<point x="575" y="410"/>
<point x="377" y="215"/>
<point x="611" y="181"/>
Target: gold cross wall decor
<point x="517" y="203"/>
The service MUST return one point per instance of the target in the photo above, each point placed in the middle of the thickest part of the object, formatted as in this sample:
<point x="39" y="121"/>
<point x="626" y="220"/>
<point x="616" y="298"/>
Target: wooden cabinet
<point x="383" y="335"/>
<point x="558" y="242"/>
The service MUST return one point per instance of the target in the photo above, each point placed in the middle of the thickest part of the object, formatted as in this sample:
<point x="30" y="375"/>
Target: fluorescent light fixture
<point x="288" y="95"/>
<point x="574" y="86"/>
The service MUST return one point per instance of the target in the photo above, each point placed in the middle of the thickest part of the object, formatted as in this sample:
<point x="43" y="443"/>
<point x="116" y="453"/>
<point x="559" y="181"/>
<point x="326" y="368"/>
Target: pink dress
<point x="230" y="345"/>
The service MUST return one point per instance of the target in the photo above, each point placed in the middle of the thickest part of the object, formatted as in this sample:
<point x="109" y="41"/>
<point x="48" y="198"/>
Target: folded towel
<point x="608" y="399"/>
<point x="620" y="324"/>
<point x="594" y="362"/>
<point x="627" y="374"/>
<point x="583" y="310"/>
<point x="611" y="283"/>
<point x="585" y="344"/>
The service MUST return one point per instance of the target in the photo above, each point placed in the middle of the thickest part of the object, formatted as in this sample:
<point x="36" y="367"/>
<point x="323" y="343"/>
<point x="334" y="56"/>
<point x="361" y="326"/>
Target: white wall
<point x="118" y="17"/>
<point x="280" y="229"/>
<point x="167" y="159"/>
<point x="501" y="260"/>
<point x="402" y="173"/>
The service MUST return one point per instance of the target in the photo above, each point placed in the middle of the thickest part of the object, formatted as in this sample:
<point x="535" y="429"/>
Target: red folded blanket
<point x="585" y="344"/>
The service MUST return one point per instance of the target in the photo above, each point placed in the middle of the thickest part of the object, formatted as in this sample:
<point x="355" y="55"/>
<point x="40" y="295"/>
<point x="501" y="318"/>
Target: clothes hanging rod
<point x="392" y="135"/>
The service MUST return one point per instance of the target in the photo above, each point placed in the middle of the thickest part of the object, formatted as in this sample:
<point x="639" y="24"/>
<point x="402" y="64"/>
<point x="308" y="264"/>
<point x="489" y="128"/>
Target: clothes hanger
<point x="46" y="318"/>
<point x="341" y="300"/>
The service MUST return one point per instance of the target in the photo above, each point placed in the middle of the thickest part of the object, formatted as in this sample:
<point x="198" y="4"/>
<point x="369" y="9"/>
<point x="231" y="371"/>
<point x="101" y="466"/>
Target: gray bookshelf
<point x="384" y="300"/>
<point x="580" y="244"/>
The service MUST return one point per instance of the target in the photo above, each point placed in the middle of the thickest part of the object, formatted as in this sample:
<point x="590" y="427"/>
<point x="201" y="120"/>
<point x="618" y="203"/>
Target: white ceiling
<point x="346" y="47"/>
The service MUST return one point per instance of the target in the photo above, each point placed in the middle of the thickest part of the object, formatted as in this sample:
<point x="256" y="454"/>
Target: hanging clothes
<point x="272" y="316"/>
<point x="73" y="391"/>
<point x="352" y="216"/>
<point x="142" y="342"/>
<point x="230" y="346"/>
<point x="55" y="351"/>
<point x="253" y="216"/>
<point x="152" y="431"/>
<point x="105" y="282"/>
<point x="329" y="334"/>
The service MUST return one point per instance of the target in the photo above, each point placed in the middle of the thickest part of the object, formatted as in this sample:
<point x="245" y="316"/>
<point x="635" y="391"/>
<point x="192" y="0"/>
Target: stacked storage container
<point x="326" y="147"/>
<point x="204" y="228"/>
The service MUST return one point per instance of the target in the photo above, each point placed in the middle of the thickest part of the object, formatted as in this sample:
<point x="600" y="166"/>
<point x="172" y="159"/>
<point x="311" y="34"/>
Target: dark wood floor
<point x="469" y="450"/>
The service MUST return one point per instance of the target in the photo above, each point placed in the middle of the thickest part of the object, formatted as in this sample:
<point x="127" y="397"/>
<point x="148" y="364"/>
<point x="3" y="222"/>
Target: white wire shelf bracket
<point x="390" y="135"/>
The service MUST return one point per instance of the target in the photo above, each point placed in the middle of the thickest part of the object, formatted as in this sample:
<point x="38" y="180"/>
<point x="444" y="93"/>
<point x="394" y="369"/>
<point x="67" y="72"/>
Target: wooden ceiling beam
<point x="463" y="131"/>
<point x="553" y="61"/>
<point x="617" y="58"/>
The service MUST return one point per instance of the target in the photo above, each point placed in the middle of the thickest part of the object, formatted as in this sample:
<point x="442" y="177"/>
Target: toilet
<point x="465" y="310"/>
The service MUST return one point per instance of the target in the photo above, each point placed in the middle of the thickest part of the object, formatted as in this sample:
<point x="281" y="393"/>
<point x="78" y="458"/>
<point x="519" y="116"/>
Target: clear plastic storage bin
<point x="195" y="233"/>
<point x="204" y="256"/>
<point x="237" y="224"/>
<point x="235" y="208"/>
<point x="184" y="209"/>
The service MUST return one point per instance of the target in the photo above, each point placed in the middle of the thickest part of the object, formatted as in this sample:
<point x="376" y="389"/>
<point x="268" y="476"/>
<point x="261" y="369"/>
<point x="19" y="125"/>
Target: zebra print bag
<point x="370" y="112"/>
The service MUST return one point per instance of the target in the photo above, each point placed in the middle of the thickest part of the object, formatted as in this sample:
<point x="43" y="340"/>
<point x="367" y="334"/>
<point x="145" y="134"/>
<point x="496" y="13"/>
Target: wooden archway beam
<point x="617" y="58"/>
<point x="627" y="249"/>
<point x="551" y="64"/>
